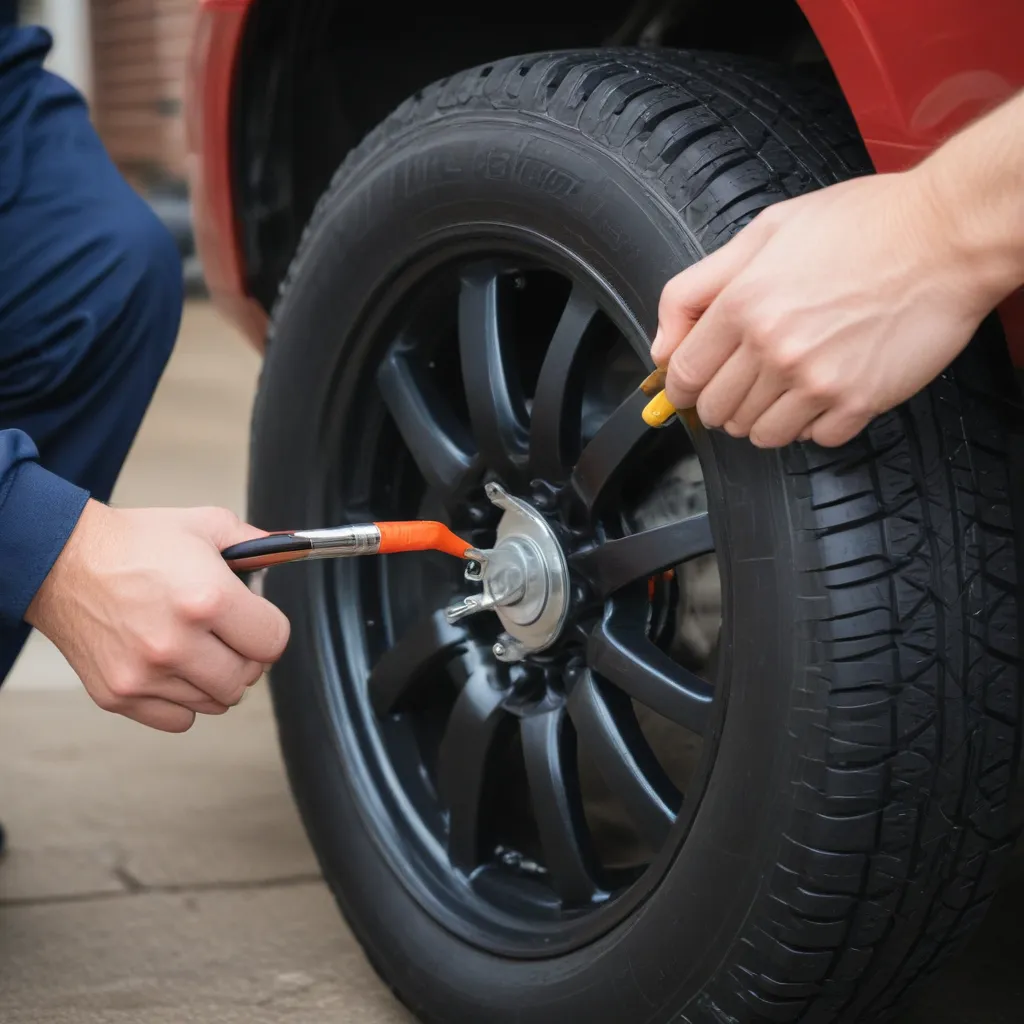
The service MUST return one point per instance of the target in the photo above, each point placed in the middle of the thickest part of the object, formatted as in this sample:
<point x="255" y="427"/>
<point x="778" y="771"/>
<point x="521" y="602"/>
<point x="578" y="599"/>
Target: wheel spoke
<point x="426" y="646"/>
<point x="615" y="563"/>
<point x="441" y="447"/>
<point x="462" y="762"/>
<point x="549" y="749"/>
<point x="604" y="457"/>
<point x="556" y="416"/>
<point x="493" y="393"/>
<point x="620" y="651"/>
<point x="608" y="729"/>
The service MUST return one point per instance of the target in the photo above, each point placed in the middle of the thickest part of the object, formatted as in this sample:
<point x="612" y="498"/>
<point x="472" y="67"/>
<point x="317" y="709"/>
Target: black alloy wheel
<point x="506" y="366"/>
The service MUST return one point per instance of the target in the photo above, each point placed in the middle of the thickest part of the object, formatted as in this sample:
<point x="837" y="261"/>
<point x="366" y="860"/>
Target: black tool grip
<point x="266" y="551"/>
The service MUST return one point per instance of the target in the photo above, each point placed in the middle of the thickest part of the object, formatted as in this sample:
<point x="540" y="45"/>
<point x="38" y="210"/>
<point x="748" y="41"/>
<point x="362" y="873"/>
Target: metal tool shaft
<point x="301" y="545"/>
<point x="343" y="541"/>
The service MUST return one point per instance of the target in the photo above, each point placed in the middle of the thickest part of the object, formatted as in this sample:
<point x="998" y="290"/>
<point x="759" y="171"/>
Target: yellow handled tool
<point x="659" y="410"/>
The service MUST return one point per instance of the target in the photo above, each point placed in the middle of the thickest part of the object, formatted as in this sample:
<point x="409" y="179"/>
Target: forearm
<point x="975" y="185"/>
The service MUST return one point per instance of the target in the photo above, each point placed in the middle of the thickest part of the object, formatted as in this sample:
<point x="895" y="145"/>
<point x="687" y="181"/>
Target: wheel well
<point x="314" y="78"/>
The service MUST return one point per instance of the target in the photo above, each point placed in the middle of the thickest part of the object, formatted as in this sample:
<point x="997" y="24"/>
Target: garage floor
<point x="162" y="879"/>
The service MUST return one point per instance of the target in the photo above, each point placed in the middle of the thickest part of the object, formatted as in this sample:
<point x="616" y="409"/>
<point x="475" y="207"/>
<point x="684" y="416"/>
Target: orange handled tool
<point x="344" y="542"/>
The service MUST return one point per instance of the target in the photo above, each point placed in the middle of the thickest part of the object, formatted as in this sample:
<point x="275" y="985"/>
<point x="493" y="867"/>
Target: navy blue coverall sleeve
<point x="90" y="302"/>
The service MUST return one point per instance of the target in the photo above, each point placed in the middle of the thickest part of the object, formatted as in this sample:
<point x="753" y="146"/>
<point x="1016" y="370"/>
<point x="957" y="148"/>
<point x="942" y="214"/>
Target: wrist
<point x="978" y="229"/>
<point x="68" y="572"/>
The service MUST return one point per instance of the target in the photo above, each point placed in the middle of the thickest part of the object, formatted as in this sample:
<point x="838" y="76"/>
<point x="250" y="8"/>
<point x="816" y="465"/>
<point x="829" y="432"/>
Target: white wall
<point x="68" y="20"/>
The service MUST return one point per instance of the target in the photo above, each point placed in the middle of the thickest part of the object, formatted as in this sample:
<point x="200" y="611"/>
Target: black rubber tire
<point x="859" y="809"/>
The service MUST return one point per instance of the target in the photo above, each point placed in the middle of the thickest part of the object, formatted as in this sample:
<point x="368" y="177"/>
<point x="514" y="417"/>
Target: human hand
<point x="824" y="312"/>
<point x="150" y="617"/>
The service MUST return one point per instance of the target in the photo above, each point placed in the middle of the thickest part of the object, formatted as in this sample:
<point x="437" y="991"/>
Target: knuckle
<point x="784" y="359"/>
<point x="828" y="437"/>
<point x="858" y="407"/>
<point x="160" y="652"/>
<point x="854" y="423"/>
<point x="233" y="697"/>
<point x="202" y="605"/>
<point x="109" y="701"/>
<point x="240" y="684"/>
<point x="756" y="338"/>
<point x="210" y="706"/>
<point x="733" y="303"/>
<point x="761" y="328"/>
<point x="218" y="515"/>
<point x="674" y="291"/>
<point x="124" y="685"/>
<point x="214" y="520"/>
<point x="683" y="378"/>
<point x="762" y="323"/>
<point x="818" y="384"/>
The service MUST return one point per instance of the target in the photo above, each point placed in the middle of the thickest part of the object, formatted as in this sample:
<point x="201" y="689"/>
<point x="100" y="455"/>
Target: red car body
<point x="913" y="73"/>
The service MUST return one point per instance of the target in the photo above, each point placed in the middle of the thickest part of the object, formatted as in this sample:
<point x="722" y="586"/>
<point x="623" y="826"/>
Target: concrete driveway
<point x="160" y="879"/>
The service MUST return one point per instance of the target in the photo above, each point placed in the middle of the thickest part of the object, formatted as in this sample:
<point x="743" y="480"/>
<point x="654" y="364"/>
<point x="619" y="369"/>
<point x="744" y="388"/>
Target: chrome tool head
<point x="525" y="580"/>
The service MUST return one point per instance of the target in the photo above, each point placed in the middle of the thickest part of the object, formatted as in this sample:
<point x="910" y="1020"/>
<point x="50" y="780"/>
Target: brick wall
<point x="140" y="50"/>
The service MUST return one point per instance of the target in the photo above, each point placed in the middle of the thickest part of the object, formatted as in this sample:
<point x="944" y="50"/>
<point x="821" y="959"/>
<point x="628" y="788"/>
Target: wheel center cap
<point x="525" y="580"/>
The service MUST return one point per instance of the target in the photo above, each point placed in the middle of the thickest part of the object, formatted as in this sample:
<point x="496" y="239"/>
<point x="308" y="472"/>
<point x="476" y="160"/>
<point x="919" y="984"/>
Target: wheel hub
<point x="525" y="580"/>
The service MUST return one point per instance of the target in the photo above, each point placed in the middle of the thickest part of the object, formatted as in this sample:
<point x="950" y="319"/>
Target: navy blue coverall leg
<point x="90" y="303"/>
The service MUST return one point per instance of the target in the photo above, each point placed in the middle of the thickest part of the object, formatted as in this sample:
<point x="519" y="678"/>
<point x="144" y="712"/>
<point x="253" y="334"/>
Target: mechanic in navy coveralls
<point x="874" y="285"/>
<point x="140" y="602"/>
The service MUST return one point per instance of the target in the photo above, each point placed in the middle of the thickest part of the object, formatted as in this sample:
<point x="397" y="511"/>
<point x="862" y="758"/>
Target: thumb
<point x="222" y="528"/>
<point x="687" y="295"/>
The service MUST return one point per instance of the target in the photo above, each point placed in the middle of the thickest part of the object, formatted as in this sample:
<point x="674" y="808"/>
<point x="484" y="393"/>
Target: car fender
<point x="914" y="72"/>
